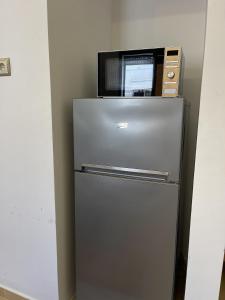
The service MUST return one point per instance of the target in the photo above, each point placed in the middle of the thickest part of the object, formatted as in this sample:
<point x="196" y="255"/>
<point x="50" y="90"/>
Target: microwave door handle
<point x="125" y="172"/>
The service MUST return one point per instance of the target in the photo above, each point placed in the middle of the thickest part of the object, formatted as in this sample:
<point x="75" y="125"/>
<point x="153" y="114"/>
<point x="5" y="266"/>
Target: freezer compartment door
<point x="132" y="133"/>
<point x="125" y="238"/>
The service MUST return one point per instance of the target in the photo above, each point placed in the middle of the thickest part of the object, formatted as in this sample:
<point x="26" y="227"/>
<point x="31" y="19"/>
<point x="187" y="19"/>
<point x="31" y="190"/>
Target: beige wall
<point x="77" y="30"/>
<point x="152" y="23"/>
<point x="28" y="262"/>
<point x="207" y="236"/>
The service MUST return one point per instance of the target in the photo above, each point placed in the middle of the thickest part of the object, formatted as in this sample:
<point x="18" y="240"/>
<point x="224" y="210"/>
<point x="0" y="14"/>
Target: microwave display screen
<point x="138" y="76"/>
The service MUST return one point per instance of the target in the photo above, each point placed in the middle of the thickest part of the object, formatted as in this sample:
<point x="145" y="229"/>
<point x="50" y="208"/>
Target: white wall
<point x="27" y="210"/>
<point x="78" y="29"/>
<point x="152" y="23"/>
<point x="207" y="236"/>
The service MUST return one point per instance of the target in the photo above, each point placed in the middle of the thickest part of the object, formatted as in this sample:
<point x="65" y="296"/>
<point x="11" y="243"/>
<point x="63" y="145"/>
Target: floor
<point x="15" y="298"/>
<point x="7" y="295"/>
<point x="3" y="298"/>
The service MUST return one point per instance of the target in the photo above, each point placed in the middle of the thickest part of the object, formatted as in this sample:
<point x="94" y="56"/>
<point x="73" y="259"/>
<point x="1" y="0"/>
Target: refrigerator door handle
<point x="125" y="172"/>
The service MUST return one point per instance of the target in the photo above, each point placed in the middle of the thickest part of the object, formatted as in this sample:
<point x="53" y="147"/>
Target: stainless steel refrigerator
<point x="127" y="181"/>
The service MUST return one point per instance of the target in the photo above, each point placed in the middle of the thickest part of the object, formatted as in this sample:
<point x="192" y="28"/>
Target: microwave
<point x="140" y="73"/>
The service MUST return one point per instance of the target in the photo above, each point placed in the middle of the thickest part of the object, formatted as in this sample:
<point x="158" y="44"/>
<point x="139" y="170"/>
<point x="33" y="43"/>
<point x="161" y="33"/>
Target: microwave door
<point x="131" y="73"/>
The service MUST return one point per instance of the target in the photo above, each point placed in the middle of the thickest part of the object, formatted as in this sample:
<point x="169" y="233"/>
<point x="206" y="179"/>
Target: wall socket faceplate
<point x="5" y="69"/>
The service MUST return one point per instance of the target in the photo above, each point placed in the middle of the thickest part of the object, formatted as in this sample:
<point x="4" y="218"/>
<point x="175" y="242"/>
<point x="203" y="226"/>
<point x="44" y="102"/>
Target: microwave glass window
<point x="138" y="76"/>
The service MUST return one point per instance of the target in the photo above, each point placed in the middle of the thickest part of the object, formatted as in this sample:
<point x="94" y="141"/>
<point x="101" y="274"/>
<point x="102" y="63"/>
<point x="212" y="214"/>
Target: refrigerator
<point x="127" y="154"/>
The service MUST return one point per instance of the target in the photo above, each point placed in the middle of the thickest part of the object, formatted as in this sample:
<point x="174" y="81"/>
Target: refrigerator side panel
<point x="143" y="133"/>
<point x="125" y="238"/>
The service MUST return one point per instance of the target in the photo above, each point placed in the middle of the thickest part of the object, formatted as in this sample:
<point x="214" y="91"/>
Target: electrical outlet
<point x="5" y="69"/>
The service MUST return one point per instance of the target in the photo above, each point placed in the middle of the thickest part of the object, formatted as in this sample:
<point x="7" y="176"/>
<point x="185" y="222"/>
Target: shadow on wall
<point x="77" y="30"/>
